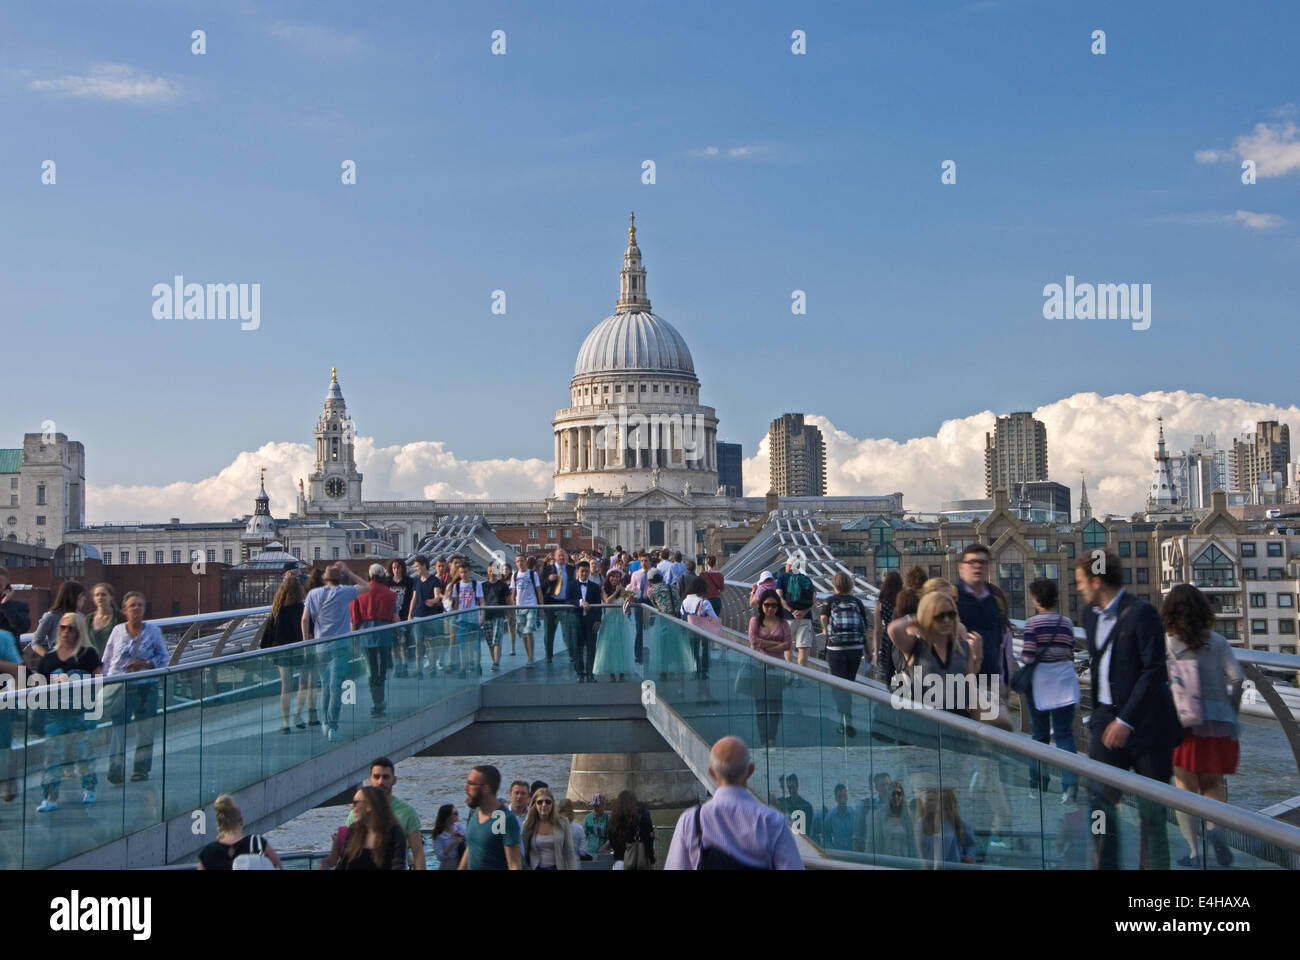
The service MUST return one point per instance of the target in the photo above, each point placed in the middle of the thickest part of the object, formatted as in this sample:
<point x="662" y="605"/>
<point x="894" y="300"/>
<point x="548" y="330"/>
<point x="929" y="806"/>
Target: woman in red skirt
<point x="1209" y="749"/>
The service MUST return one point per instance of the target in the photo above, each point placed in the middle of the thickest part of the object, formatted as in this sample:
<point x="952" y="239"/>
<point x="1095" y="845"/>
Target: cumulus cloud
<point x="1275" y="148"/>
<point x="111" y="81"/>
<point x="412" y="471"/>
<point x="1111" y="439"/>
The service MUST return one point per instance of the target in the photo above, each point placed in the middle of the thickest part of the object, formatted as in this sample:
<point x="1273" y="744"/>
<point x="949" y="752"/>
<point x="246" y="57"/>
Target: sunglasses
<point x="67" y="626"/>
<point x="946" y="615"/>
<point x="542" y="803"/>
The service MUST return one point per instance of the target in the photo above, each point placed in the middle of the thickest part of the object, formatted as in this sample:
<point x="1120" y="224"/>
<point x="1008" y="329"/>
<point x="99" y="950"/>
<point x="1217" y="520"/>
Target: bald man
<point x="733" y="831"/>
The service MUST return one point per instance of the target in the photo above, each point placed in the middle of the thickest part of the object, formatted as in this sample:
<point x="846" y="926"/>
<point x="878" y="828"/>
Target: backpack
<point x="847" y="623"/>
<point x="255" y="859"/>
<point x="799" y="591"/>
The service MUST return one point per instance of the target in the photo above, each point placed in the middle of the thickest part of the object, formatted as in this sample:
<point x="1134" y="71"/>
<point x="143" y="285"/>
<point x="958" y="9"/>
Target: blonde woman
<point x="231" y="842"/>
<point x="547" y="840"/>
<point x="934" y="641"/>
<point x="67" y="742"/>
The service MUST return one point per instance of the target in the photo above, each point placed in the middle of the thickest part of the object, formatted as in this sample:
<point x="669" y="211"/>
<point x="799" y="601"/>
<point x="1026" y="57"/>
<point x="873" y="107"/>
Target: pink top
<point x="771" y="642"/>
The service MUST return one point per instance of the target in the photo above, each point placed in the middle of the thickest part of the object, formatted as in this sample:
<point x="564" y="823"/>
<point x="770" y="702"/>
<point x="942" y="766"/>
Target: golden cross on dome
<point x="334" y="374"/>
<point x="264" y="479"/>
<point x="631" y="230"/>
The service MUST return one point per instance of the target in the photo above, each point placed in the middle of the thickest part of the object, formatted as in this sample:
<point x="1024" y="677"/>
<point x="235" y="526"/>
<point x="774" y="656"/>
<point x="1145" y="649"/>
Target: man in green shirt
<point x="596" y="826"/>
<point x="491" y="832"/>
<point x="381" y="776"/>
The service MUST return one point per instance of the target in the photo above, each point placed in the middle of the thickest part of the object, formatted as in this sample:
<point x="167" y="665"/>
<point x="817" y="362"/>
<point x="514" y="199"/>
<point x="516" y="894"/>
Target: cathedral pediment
<point x="657" y="498"/>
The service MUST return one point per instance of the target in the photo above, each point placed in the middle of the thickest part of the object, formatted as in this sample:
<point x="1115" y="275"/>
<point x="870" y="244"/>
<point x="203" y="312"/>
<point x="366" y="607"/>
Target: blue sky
<point x="478" y="172"/>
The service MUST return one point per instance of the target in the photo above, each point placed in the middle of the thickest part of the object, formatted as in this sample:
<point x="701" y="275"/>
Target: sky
<point x="775" y="172"/>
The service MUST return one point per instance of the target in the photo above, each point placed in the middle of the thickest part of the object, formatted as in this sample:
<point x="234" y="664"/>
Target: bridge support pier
<point x="658" y="779"/>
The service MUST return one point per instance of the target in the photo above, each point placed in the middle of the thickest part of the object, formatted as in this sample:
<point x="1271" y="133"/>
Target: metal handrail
<point x="1235" y="818"/>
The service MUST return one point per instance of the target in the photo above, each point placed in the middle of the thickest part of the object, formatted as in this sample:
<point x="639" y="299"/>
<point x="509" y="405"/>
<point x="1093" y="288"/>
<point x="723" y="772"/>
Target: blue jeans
<point x="67" y="747"/>
<point x="1058" y="723"/>
<point x="336" y="671"/>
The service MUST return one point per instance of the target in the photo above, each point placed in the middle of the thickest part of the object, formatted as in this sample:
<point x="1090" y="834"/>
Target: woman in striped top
<point x="1049" y="642"/>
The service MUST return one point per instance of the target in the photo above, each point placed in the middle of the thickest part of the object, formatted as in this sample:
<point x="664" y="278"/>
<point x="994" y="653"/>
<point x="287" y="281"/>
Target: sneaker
<point x="1192" y="863"/>
<point x="115" y="777"/>
<point x="138" y="776"/>
<point x="496" y="668"/>
<point x="331" y="734"/>
<point x="1070" y="796"/>
<point x="88" y="796"/>
<point x="996" y="843"/>
<point x="47" y="806"/>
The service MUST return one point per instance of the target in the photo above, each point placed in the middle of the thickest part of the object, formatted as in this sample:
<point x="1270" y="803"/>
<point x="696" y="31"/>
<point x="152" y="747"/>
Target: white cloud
<point x="316" y="40"/>
<point x="1275" y="148"/>
<point x="1255" y="221"/>
<point x="1112" y="439"/>
<point x="412" y="471"/>
<point x="112" y="81"/>
<point x="737" y="152"/>
<point x="1258" y="221"/>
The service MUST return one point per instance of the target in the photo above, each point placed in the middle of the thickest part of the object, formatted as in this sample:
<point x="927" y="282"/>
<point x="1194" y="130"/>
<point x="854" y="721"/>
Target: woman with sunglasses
<point x="769" y="634"/>
<point x="892" y="830"/>
<point x="935" y="642"/>
<point x="67" y="743"/>
<point x="448" y="837"/>
<point x="375" y="841"/>
<point x="548" y="842"/>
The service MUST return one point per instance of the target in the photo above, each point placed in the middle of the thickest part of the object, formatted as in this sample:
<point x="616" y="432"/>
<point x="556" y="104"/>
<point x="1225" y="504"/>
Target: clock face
<point x="335" y="487"/>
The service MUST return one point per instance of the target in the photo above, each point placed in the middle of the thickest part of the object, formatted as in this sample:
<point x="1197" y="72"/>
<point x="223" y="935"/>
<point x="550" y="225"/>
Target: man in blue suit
<point x="589" y="613"/>
<point x="1134" y="725"/>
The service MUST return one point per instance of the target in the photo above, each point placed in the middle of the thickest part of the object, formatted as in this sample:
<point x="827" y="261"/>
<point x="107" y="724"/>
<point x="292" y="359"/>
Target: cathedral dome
<point x="634" y="341"/>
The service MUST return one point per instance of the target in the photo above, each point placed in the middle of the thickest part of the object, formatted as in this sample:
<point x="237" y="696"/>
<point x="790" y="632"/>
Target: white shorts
<point x="528" y="621"/>
<point x="801" y="633"/>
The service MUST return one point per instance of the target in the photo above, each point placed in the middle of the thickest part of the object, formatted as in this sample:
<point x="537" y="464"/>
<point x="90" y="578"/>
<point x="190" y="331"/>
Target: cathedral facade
<point x="635" y="450"/>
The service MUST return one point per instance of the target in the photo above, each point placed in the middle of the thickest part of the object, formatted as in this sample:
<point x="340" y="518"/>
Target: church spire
<point x="1163" y="495"/>
<point x="632" y="296"/>
<point x="1085" y="508"/>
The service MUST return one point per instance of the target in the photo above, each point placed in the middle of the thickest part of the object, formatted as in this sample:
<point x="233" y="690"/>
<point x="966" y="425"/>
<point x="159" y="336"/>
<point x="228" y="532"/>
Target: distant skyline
<point x="774" y="173"/>
<point x="1112" y="439"/>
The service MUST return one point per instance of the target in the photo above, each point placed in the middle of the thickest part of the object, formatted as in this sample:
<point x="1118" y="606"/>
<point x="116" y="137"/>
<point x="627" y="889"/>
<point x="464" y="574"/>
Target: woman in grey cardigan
<point x="1209" y="750"/>
<point x="547" y="840"/>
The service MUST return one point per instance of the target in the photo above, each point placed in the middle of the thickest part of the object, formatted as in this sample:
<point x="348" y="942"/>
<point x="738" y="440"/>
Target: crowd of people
<point x="1166" y="688"/>
<point x="1166" y="691"/>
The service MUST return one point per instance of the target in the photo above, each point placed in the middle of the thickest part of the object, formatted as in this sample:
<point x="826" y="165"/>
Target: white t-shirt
<point x="468" y="595"/>
<point x="526" y="585"/>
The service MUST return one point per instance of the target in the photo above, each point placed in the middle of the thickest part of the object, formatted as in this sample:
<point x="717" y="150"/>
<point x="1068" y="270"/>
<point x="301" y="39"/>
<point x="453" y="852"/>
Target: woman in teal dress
<point x="664" y="634"/>
<point x="614" y="641"/>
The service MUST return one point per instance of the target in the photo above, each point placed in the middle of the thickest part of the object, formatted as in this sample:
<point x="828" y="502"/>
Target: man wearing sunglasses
<point x="491" y="833"/>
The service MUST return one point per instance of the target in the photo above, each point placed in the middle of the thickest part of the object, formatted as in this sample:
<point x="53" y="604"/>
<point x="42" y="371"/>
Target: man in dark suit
<point x="589" y="613"/>
<point x="16" y="611"/>
<point x="1134" y="725"/>
<point x="559" y="587"/>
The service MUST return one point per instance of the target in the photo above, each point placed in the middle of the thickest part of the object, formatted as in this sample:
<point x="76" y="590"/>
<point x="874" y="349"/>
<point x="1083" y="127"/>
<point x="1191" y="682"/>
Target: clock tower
<point x="334" y="483"/>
